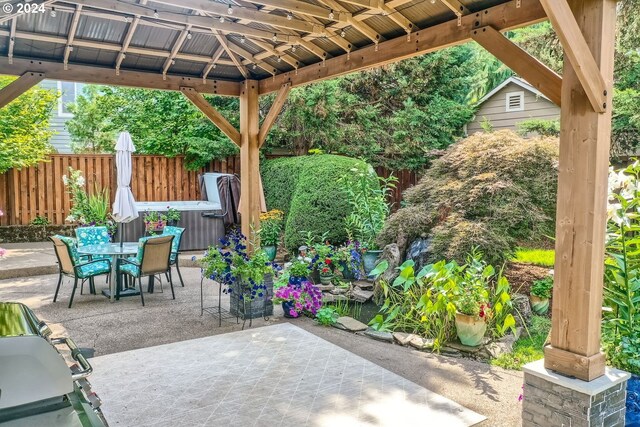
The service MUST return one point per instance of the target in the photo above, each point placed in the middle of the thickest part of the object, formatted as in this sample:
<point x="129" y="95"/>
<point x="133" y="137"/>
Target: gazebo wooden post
<point x="572" y="386"/>
<point x="249" y="158"/>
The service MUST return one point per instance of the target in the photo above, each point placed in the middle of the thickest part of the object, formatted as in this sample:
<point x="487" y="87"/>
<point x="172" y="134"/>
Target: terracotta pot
<point x="470" y="329"/>
<point x="539" y="305"/>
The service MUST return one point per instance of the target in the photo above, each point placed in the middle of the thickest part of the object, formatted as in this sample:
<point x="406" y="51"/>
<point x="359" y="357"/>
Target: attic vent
<point x="515" y="101"/>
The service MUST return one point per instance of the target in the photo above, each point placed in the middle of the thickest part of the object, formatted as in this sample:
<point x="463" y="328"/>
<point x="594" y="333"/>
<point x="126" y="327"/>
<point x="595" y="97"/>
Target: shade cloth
<point x="124" y="208"/>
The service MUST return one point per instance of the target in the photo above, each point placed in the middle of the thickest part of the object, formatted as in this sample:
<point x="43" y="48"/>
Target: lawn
<point x="529" y="346"/>
<point x="541" y="257"/>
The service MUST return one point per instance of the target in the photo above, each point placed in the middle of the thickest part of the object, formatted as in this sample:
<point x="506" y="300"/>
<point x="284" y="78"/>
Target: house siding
<point x="61" y="140"/>
<point x="494" y="110"/>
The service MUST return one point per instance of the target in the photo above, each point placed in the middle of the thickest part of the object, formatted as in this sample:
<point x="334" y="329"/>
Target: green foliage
<point x="160" y="123"/>
<point x="542" y="288"/>
<point x="426" y="302"/>
<point x="367" y="194"/>
<point x="488" y="190"/>
<point x="24" y="127"/>
<point x="40" y="220"/>
<point x="540" y="127"/>
<point x="306" y="190"/>
<point x="529" y="347"/>
<point x="298" y="269"/>
<point x="88" y="209"/>
<point x="271" y="227"/>
<point x="486" y="125"/>
<point x="621" y="319"/>
<point x="541" y="257"/>
<point x="327" y="316"/>
<point x="392" y="116"/>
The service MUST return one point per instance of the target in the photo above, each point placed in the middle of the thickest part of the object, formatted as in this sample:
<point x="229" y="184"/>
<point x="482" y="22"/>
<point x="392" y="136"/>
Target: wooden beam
<point x="244" y="13"/>
<point x="502" y="17"/>
<point x="127" y="39"/>
<point x="532" y="70"/>
<point x="19" y="86"/>
<point x="106" y="76"/>
<point x="175" y="49"/>
<point x="212" y="64"/>
<point x="71" y="34"/>
<point x="273" y="113"/>
<point x="250" y="196"/>
<point x="456" y="7"/>
<point x="581" y="215"/>
<point x="212" y="114"/>
<point x="304" y="8"/>
<point x="358" y="25"/>
<point x="222" y="39"/>
<point x="577" y="51"/>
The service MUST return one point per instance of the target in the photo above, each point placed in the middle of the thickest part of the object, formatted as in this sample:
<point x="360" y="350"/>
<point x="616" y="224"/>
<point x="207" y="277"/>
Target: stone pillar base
<point x="551" y="399"/>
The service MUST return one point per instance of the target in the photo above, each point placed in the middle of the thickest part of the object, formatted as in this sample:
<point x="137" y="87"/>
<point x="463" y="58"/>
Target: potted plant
<point x="245" y="275"/>
<point x="367" y="195"/>
<point x="173" y="216"/>
<point x="322" y="261"/>
<point x="154" y="222"/>
<point x="348" y="260"/>
<point x="539" y="295"/>
<point x="270" y="229"/>
<point x="297" y="272"/>
<point x="299" y="298"/>
<point x="471" y="316"/>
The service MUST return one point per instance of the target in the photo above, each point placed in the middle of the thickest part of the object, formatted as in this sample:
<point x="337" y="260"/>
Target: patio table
<point x="115" y="251"/>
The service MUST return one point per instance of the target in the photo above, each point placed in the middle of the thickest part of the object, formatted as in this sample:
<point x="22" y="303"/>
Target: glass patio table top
<point x="115" y="251"/>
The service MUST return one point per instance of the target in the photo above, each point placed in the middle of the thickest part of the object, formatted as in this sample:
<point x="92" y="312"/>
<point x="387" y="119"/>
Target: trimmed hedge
<point x="306" y="189"/>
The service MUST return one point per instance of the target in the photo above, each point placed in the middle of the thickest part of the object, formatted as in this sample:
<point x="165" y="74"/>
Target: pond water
<point x="633" y="402"/>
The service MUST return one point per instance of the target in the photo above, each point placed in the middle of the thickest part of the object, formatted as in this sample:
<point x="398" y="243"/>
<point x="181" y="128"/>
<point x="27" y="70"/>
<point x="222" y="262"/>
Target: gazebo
<point x="248" y="49"/>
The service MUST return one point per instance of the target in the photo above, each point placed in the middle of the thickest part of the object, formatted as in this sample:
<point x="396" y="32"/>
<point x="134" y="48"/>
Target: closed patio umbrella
<point x="124" y="208"/>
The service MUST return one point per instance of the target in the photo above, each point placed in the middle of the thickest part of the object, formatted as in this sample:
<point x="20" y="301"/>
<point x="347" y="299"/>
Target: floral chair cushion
<point x="175" y="244"/>
<point x="131" y="269"/>
<point x="94" y="269"/>
<point x="72" y="245"/>
<point x="93" y="236"/>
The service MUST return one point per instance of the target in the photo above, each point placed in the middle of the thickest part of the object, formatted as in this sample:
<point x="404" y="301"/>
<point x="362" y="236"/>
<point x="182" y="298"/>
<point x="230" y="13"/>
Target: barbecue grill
<point x="37" y="386"/>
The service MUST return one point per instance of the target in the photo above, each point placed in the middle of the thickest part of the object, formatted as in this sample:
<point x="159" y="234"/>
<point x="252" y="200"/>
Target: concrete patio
<point x="102" y="328"/>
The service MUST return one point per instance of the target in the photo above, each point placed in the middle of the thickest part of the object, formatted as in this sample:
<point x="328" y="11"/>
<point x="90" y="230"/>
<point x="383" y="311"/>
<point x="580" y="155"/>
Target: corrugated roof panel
<point x="91" y="56"/>
<point x="187" y="68"/>
<point x="200" y="44"/>
<point x="154" y="37"/>
<point x="40" y="50"/>
<point x="44" y="23"/>
<point x="134" y="61"/>
<point x="106" y="30"/>
<point x="228" y="72"/>
<point x="385" y="26"/>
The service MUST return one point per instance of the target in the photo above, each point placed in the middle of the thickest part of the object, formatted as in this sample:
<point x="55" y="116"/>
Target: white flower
<point x="65" y="179"/>
<point x="81" y="180"/>
<point x="70" y="218"/>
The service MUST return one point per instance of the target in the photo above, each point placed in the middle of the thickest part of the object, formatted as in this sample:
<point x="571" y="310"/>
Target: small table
<point x="115" y="251"/>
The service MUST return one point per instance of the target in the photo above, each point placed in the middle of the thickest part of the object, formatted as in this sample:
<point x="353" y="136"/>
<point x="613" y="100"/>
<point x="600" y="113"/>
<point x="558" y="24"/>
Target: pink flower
<point x="293" y="313"/>
<point x="1" y="212"/>
<point x="2" y="252"/>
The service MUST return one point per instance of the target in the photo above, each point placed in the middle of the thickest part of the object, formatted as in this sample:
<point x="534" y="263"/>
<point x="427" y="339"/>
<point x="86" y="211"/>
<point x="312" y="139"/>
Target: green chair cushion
<point x="94" y="269"/>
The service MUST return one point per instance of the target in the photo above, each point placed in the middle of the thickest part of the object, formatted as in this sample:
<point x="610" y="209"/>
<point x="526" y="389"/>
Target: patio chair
<point x="153" y="258"/>
<point x="70" y="265"/>
<point x="93" y="236"/>
<point x="175" y="247"/>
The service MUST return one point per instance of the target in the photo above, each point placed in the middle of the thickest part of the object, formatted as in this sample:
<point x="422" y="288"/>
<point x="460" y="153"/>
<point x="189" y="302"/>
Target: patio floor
<point x="278" y="375"/>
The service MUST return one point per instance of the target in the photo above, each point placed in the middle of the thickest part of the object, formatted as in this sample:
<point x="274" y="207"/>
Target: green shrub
<point x="306" y="189"/>
<point x="540" y="127"/>
<point x="490" y="190"/>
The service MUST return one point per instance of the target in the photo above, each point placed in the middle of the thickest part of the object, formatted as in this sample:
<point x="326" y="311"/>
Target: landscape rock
<point x="420" y="343"/>
<point x="361" y="296"/>
<point x="362" y="284"/>
<point x="350" y="324"/>
<point x="325" y="288"/>
<point x="403" y="338"/>
<point x="522" y="309"/>
<point x="338" y="291"/>
<point x="419" y="251"/>
<point x="379" y="335"/>
<point x="328" y="298"/>
<point x="458" y="346"/>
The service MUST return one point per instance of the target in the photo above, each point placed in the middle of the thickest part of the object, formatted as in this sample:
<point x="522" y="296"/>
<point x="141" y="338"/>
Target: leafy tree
<point x="160" y="123"/>
<point x="24" y="127"/>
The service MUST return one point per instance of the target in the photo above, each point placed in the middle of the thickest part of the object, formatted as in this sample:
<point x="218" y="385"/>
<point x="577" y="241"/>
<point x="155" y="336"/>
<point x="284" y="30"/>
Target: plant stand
<point x="244" y="307"/>
<point x="217" y="312"/>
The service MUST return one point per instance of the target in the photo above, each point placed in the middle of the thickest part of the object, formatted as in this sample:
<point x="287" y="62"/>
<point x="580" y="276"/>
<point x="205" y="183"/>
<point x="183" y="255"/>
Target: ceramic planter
<point x="370" y="259"/>
<point x="347" y="273"/>
<point x="470" y="329"/>
<point x="270" y="251"/>
<point x="326" y="279"/>
<point x="539" y="305"/>
<point x="287" y="306"/>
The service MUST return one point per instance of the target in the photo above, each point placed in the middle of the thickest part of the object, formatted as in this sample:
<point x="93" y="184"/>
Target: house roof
<point x="235" y="40"/>
<point x="515" y="80"/>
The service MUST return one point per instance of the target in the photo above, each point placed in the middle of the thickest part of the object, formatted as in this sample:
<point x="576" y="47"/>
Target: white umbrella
<point x="124" y="208"/>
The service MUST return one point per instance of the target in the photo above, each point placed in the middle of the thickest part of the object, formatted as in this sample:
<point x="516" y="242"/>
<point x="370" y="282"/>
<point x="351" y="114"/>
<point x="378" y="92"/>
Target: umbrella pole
<point x="121" y="233"/>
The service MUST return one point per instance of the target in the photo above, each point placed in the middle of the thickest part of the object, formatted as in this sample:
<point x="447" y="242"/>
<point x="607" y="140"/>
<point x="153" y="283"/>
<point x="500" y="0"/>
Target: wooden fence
<point x="39" y="191"/>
